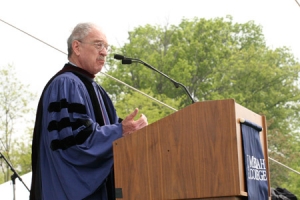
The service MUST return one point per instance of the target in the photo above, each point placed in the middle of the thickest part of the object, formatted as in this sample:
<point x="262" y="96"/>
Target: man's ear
<point x="76" y="46"/>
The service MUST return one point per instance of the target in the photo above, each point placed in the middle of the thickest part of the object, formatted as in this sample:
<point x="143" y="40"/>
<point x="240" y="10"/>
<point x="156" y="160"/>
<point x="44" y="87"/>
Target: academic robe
<point x="76" y="124"/>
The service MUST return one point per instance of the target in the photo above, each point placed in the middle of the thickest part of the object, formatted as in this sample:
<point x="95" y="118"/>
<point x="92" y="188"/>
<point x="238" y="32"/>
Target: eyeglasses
<point x="98" y="45"/>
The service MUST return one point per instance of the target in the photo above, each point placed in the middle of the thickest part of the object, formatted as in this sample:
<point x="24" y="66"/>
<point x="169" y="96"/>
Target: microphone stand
<point x="13" y="177"/>
<point x="176" y="84"/>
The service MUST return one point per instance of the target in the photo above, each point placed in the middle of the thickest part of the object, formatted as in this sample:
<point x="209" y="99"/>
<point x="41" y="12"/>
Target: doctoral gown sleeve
<point x="74" y="147"/>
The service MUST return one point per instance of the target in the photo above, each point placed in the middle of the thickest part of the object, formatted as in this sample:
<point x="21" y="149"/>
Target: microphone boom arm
<point x="176" y="84"/>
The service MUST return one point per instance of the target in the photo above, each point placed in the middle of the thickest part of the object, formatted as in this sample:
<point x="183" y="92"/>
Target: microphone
<point x="126" y="60"/>
<point x="118" y="57"/>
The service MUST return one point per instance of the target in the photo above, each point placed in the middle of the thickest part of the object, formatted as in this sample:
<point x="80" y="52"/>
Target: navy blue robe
<point x="72" y="154"/>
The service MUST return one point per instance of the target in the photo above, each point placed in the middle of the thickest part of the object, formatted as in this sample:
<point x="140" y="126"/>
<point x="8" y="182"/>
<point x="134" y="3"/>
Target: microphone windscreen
<point x="118" y="57"/>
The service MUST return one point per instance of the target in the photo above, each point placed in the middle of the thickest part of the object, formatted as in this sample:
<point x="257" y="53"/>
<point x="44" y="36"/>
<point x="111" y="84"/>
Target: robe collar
<point x="72" y="67"/>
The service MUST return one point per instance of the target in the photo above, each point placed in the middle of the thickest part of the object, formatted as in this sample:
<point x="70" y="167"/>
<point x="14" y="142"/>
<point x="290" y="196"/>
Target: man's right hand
<point x="130" y="125"/>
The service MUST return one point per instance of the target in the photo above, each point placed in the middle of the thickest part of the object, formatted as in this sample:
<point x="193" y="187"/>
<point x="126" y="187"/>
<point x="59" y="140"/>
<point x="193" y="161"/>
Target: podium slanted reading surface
<point x="194" y="153"/>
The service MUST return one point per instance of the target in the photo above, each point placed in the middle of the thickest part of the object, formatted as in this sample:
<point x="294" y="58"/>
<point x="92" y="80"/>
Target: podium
<point x="194" y="153"/>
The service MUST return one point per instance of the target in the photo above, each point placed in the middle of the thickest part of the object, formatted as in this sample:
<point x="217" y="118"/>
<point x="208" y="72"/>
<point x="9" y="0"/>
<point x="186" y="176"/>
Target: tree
<point x="14" y="110"/>
<point x="218" y="59"/>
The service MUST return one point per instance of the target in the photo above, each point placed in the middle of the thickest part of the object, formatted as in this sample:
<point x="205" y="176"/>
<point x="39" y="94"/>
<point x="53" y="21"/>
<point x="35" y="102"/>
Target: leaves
<point x="14" y="100"/>
<point x="216" y="59"/>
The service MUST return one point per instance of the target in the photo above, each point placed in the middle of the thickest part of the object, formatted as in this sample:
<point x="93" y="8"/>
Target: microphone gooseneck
<point x="126" y="60"/>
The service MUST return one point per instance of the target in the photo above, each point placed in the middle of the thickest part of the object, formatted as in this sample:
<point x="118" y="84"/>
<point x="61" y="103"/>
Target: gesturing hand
<point x="130" y="125"/>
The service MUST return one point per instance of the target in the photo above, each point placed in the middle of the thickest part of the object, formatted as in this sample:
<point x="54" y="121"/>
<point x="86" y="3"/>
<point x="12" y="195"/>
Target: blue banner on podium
<point x="255" y="165"/>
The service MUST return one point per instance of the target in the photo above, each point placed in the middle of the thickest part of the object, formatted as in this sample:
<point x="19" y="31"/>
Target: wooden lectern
<point x="194" y="153"/>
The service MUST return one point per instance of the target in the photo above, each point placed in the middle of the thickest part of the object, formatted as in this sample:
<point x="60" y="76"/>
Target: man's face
<point x="93" y="51"/>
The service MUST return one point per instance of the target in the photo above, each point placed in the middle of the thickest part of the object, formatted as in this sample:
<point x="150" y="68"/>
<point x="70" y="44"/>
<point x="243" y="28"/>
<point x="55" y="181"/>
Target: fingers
<point x="141" y="122"/>
<point x="133" y="114"/>
<point x="143" y="119"/>
<point x="130" y="125"/>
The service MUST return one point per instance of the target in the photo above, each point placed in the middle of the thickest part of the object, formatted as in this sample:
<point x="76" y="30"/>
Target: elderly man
<point x="76" y="124"/>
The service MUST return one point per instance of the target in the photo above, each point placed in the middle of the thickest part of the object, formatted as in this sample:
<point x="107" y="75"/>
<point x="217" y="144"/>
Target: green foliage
<point x="127" y="100"/>
<point x="21" y="154"/>
<point x="153" y="110"/>
<point x="14" y="108"/>
<point x="216" y="59"/>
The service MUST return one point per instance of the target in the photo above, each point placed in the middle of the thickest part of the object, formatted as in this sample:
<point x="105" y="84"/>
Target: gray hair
<point x="79" y="33"/>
